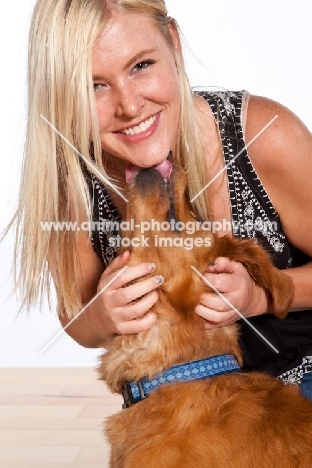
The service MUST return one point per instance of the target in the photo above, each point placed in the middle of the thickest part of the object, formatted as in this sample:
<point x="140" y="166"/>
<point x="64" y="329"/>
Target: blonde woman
<point x="107" y="87"/>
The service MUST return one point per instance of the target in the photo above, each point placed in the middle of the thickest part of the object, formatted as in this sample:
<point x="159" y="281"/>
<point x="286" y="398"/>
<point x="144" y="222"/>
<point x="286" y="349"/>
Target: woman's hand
<point x="124" y="308"/>
<point x="232" y="280"/>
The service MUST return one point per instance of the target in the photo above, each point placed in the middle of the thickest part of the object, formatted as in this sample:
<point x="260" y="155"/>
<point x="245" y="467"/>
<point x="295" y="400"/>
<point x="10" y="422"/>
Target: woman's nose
<point x="129" y="101"/>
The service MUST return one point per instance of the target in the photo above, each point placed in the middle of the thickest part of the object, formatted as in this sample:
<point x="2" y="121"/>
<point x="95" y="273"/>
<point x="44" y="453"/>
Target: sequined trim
<point x="225" y="97"/>
<point x="107" y="215"/>
<point x="295" y="376"/>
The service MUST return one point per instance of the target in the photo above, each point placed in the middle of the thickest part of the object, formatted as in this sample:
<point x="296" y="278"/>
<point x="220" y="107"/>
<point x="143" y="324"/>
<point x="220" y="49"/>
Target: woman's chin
<point x="144" y="157"/>
<point x="152" y="160"/>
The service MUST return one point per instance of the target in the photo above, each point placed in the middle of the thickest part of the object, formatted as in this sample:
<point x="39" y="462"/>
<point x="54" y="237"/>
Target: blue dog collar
<point x="195" y="370"/>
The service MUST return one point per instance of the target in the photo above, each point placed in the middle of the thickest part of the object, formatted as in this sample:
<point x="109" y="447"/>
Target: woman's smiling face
<point x="136" y="89"/>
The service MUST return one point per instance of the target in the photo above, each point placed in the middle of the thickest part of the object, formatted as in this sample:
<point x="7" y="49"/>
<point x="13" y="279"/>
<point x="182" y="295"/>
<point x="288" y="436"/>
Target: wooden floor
<point x="53" y="418"/>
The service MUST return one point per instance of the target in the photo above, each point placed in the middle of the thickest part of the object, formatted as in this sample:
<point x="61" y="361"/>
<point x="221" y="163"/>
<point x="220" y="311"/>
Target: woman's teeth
<point x="140" y="128"/>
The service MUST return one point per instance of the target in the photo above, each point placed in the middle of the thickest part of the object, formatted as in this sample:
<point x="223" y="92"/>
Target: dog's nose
<point x="164" y="169"/>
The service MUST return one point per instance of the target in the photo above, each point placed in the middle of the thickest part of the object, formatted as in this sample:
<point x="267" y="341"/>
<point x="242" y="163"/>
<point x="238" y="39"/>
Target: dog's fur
<point x="234" y="420"/>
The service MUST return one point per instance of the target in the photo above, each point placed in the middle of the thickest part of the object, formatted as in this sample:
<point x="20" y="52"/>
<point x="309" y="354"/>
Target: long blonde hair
<point x="60" y="90"/>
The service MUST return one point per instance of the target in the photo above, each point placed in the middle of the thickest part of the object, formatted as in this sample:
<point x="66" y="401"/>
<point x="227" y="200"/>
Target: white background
<point x="263" y="47"/>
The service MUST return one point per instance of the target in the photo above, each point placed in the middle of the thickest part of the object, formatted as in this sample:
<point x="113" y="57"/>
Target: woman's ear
<point x="174" y="34"/>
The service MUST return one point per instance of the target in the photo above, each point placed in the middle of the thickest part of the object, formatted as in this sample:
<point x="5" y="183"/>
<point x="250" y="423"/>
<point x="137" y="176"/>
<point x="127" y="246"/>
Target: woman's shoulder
<point x="276" y="138"/>
<point x="280" y="148"/>
<point x="270" y="117"/>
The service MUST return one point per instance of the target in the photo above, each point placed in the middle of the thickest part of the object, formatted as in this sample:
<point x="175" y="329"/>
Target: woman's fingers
<point x="233" y="291"/>
<point x="222" y="265"/>
<point x="135" y="291"/>
<point x="127" y="296"/>
<point x="136" y="326"/>
<point x="214" y="301"/>
<point x="215" y="318"/>
<point x="129" y="308"/>
<point x="129" y="274"/>
<point x="137" y="316"/>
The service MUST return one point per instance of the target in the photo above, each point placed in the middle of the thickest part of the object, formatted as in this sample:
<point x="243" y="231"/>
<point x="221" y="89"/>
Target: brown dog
<point x="231" y="420"/>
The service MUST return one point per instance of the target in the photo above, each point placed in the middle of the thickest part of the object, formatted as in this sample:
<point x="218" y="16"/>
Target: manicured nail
<point x="160" y="280"/>
<point x="213" y="265"/>
<point x="152" y="267"/>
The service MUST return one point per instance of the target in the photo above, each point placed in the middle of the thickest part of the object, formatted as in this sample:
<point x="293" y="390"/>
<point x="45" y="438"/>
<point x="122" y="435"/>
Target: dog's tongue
<point x="131" y="172"/>
<point x="163" y="168"/>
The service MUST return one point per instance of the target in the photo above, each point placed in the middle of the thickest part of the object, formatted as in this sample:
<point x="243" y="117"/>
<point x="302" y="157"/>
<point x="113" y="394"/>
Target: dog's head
<point x="157" y="192"/>
<point x="168" y="234"/>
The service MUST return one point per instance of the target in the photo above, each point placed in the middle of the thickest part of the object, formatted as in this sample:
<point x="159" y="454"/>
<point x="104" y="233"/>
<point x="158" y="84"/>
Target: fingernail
<point x="152" y="267"/>
<point x="213" y="265"/>
<point x="159" y="279"/>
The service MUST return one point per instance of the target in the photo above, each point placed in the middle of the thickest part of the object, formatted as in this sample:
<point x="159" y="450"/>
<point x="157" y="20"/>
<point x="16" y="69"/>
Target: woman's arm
<point x="119" y="309"/>
<point x="282" y="158"/>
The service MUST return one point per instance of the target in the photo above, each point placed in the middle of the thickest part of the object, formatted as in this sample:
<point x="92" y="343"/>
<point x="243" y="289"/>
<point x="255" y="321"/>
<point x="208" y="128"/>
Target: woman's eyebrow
<point x="137" y="56"/>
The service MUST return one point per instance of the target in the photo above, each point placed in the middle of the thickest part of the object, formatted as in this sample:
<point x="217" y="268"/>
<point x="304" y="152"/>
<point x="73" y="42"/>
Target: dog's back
<point x="236" y="421"/>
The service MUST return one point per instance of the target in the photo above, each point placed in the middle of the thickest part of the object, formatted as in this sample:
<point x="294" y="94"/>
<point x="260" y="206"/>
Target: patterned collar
<point x="195" y="370"/>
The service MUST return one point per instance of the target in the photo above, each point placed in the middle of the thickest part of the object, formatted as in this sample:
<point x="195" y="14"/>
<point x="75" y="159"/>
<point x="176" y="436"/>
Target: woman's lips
<point x="139" y="132"/>
<point x="142" y="127"/>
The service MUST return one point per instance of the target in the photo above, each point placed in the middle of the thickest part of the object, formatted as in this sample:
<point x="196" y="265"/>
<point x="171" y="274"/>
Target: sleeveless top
<point x="253" y="216"/>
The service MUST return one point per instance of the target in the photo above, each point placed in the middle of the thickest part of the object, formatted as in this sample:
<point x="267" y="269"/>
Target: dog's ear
<point x="258" y="264"/>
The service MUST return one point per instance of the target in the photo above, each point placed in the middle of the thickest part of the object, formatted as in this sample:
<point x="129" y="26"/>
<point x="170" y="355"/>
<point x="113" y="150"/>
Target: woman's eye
<point x="143" y="65"/>
<point x="97" y="86"/>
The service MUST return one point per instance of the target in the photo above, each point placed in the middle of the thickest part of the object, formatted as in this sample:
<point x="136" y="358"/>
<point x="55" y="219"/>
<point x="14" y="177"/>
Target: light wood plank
<point x="39" y="454"/>
<point x="16" y="389"/>
<point x="53" y="418"/>
<point x="47" y="438"/>
<point x="57" y="400"/>
<point x="31" y="412"/>
<point x="93" y="411"/>
<point x="52" y="465"/>
<point x="98" y="455"/>
<point x="51" y="424"/>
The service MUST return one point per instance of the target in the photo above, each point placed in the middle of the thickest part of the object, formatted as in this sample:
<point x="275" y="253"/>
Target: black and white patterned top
<point x="106" y="219"/>
<point x="254" y="216"/>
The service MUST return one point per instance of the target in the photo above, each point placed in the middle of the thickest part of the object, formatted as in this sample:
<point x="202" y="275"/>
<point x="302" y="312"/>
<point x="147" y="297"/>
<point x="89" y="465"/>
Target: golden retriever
<point x="232" y="420"/>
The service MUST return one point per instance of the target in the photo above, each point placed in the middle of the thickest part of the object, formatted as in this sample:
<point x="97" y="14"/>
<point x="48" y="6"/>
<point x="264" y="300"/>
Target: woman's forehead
<point x="126" y="26"/>
<point x="124" y="36"/>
